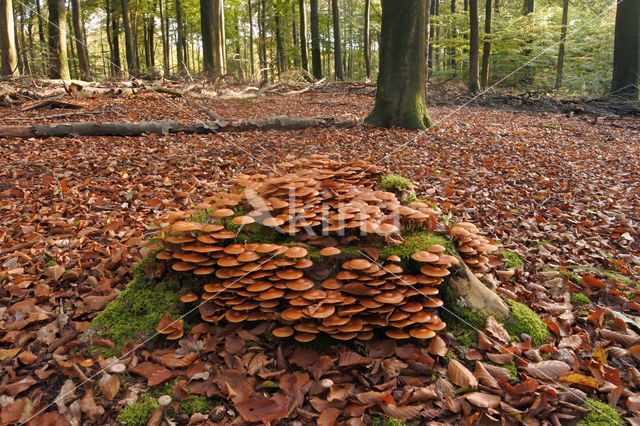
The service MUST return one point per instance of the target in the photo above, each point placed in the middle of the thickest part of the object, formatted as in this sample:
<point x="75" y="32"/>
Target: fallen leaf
<point x="548" y="370"/>
<point x="109" y="385"/>
<point x="460" y="375"/>
<point x="482" y="399"/>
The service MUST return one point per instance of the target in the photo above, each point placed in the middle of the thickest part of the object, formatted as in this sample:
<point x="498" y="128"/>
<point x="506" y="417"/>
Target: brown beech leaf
<point x="500" y="358"/>
<point x="624" y="338"/>
<point x="392" y="367"/>
<point x="351" y="358"/>
<point x="19" y="386"/>
<point x="340" y="392"/>
<point x="485" y="377"/>
<point x="401" y="411"/>
<point x="27" y="357"/>
<point x="89" y="407"/>
<point x="328" y="416"/>
<point x="549" y="370"/>
<point x="109" y="385"/>
<point x="496" y="330"/>
<point x="156" y="417"/>
<point x="526" y="387"/>
<point x="572" y="342"/>
<point x="170" y="360"/>
<point x="482" y="399"/>
<point x="179" y="390"/>
<point x="484" y="342"/>
<point x="437" y="346"/>
<point x="371" y="398"/>
<point x="423" y="394"/>
<point x="473" y="355"/>
<point x="16" y="412"/>
<point x="304" y="357"/>
<point x="264" y="410"/>
<point x="460" y="375"/>
<point x="633" y="403"/>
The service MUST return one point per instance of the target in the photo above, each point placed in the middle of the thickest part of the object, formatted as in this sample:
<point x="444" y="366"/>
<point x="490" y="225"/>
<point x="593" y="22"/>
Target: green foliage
<point x="524" y="320"/>
<point x="513" y="370"/>
<point x="514" y="260"/>
<point x="412" y="243"/>
<point x="387" y="421"/>
<point x="193" y="404"/>
<point x="579" y="299"/>
<point x="601" y="414"/>
<point x="135" y="313"/>
<point x="138" y="414"/>
<point x="394" y="182"/>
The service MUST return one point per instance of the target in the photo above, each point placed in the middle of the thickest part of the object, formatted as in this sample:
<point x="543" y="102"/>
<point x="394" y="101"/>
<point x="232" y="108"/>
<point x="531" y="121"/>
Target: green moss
<point x="601" y="414"/>
<point x="579" y="299"/>
<point x="514" y="260"/>
<point x="463" y="322"/>
<point x="524" y="320"/>
<point x="513" y="370"/>
<point x="399" y="185"/>
<point x="193" y="404"/>
<point x="138" y="414"/>
<point x="387" y="421"/>
<point x="135" y="313"/>
<point x="391" y="181"/>
<point x="412" y="243"/>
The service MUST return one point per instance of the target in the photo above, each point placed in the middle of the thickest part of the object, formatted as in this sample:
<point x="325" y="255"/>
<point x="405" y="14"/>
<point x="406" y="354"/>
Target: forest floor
<point x="562" y="191"/>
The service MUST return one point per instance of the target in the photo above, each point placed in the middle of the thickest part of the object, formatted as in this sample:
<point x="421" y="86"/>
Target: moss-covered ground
<point x="387" y="421"/>
<point x="135" y="313"/>
<point x="579" y="299"/>
<point x="601" y="414"/>
<point x="524" y="320"/>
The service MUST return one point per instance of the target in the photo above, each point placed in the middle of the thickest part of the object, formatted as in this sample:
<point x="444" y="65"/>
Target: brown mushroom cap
<point x="272" y="221"/>
<point x="175" y="335"/>
<point x="390" y="297"/>
<point x="437" y="325"/>
<point x="394" y="258"/>
<point x="304" y="337"/>
<point x="164" y="255"/>
<point x="295" y="252"/>
<point x="259" y="287"/>
<point x="345" y="336"/>
<point x="291" y="314"/>
<point x="335" y="320"/>
<point x="357" y="264"/>
<point x="212" y="227"/>
<point x="306" y="327"/>
<point x="266" y="248"/>
<point x="424" y="256"/>
<point x="314" y="294"/>
<point x="235" y="316"/>
<point x="330" y="251"/>
<point x="433" y="271"/>
<point x="422" y="333"/>
<point x="248" y="256"/>
<point x="183" y="266"/>
<point x="319" y="312"/>
<point x="301" y="284"/>
<point x="242" y="220"/>
<point x="289" y="274"/>
<point x="412" y="307"/>
<point x="282" y="331"/>
<point x="331" y="284"/>
<point x="365" y="335"/>
<point x="183" y="226"/>
<point x="223" y="212"/>
<point x="436" y="248"/>
<point x="432" y="302"/>
<point x="396" y="333"/>
<point x="272" y="293"/>
<point x="189" y="297"/>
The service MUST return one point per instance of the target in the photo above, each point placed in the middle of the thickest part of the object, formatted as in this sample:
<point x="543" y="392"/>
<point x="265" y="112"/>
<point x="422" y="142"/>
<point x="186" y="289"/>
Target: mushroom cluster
<point x="473" y="248"/>
<point x="311" y="202"/>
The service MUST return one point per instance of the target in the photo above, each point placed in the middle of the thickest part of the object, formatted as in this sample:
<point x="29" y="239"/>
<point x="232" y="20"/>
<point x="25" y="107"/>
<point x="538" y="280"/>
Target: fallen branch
<point x="169" y="126"/>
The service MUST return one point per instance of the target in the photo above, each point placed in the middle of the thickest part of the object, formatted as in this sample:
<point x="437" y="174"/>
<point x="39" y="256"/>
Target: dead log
<point x="166" y="127"/>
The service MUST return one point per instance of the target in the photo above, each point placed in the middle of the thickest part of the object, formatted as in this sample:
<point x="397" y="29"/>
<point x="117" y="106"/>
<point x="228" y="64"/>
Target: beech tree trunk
<point x="58" y="65"/>
<point x="486" y="48"/>
<point x="401" y="80"/>
<point x="8" y="53"/>
<point x="279" y="46"/>
<point x="180" y="43"/>
<point x="563" y="38"/>
<point x="262" y="48"/>
<point x="367" y="44"/>
<point x="81" y="46"/>
<point x="337" y="48"/>
<point x="473" y="47"/>
<point x="626" y="51"/>
<point x="316" y="58"/>
<point x="251" y="38"/>
<point x="207" y="31"/>
<point x="219" y="38"/>
<point x="130" y="47"/>
<point x="303" y="36"/>
<point x="165" y="41"/>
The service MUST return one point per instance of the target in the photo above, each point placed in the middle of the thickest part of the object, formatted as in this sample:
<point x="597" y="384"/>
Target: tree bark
<point x="262" y="48"/>
<point x="219" y="38"/>
<point x="626" y="51"/>
<point x="475" y="294"/>
<point x="58" y="65"/>
<point x="486" y="48"/>
<point x="473" y="46"/>
<point x="116" y="63"/>
<point x="401" y="80"/>
<point x="8" y="53"/>
<point x="427" y="42"/>
<point x="316" y="59"/>
<point x="180" y="42"/>
<point x="82" y="128"/>
<point x="81" y="46"/>
<point x="279" y="46"/>
<point x="303" y="36"/>
<point x="337" y="47"/>
<point x="251" y="61"/>
<point x="563" y="38"/>
<point x="366" y="42"/>
<point x="130" y="47"/>
<point x="207" y="31"/>
<point x="165" y="41"/>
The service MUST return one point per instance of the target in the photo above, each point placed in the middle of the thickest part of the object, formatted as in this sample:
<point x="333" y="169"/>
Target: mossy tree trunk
<point x="59" y="66"/>
<point x="470" y="292"/>
<point x="401" y="80"/>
